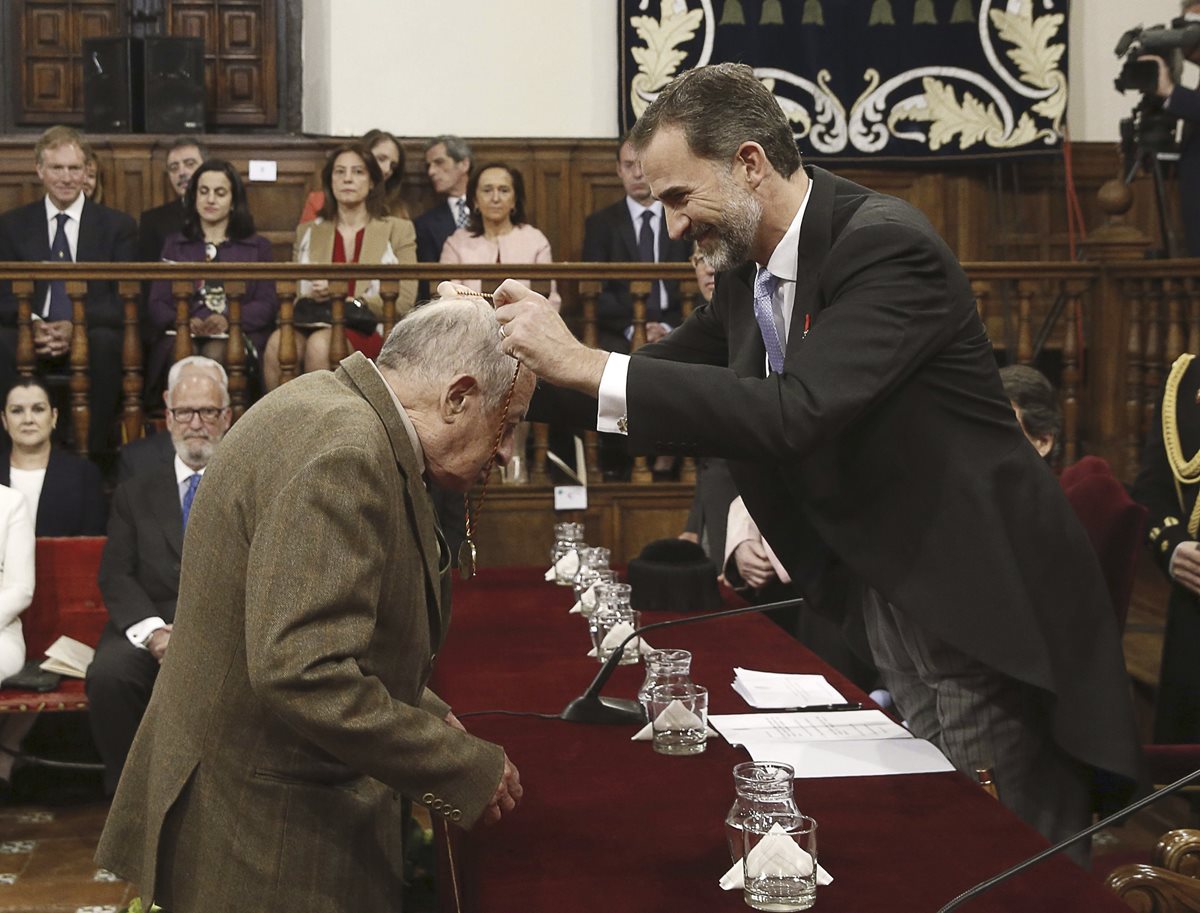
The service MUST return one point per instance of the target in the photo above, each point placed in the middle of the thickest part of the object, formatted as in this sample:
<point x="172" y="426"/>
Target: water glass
<point x="586" y="587"/>
<point x="679" y="718"/>
<point x="779" y="862"/>
<point x="609" y="626"/>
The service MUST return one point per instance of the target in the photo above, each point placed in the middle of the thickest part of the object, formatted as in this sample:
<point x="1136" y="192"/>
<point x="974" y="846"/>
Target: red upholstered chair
<point x="1114" y="523"/>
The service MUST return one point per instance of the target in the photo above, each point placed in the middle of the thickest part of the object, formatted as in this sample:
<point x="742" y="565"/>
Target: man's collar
<point x="418" y="451"/>
<point x="75" y="210"/>
<point x="183" y="471"/>
<point x="636" y="209"/>
<point x="785" y="259"/>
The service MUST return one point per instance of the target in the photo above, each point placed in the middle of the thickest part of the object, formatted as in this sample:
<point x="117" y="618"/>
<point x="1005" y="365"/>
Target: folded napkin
<point x="587" y="600"/>
<point x="776" y="853"/>
<point x="566" y="566"/>
<point x="646" y="733"/>
<point x="618" y="633"/>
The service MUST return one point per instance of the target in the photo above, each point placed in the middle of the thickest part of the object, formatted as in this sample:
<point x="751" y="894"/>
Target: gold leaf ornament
<point x="1036" y="57"/>
<point x="660" y="58"/>
<point x="971" y="120"/>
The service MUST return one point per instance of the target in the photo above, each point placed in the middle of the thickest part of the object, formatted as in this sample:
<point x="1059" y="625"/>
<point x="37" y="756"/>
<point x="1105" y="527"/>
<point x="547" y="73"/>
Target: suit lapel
<point x="165" y="508"/>
<point x="747" y="353"/>
<point x="374" y="390"/>
<point x="37" y="240"/>
<point x="816" y="237"/>
<point x="87" y="244"/>
<point x="625" y="231"/>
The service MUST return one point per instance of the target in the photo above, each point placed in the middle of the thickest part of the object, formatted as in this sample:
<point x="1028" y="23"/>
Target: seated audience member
<point x="448" y="166"/>
<point x="390" y="156"/>
<point x="93" y="185"/>
<point x="156" y="449"/>
<point x="496" y="230"/>
<point x="1167" y="485"/>
<point x="139" y="570"/>
<point x="353" y="227"/>
<point x="633" y="230"/>
<point x="64" y="492"/>
<point x="217" y="228"/>
<point x="156" y="225"/>
<point x="64" y="226"/>
<point x="1039" y="413"/>
<point x="16" y="593"/>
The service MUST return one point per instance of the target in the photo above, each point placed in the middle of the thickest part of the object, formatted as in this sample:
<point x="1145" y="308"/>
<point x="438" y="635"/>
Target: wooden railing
<point x="1105" y="330"/>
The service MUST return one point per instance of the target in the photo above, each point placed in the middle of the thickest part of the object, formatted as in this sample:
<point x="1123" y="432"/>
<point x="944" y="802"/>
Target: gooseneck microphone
<point x="1020" y="867"/>
<point x="590" y="707"/>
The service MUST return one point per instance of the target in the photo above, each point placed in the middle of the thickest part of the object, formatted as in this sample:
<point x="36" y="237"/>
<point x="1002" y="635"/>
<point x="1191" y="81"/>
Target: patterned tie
<point x="764" y="290"/>
<point x="60" y="251"/>
<point x="189" y="496"/>
<point x="463" y="217"/>
<point x="646" y="255"/>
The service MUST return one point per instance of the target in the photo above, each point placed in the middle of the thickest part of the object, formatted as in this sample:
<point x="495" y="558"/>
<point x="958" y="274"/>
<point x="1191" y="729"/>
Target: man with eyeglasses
<point x="61" y="227"/>
<point x="139" y="571"/>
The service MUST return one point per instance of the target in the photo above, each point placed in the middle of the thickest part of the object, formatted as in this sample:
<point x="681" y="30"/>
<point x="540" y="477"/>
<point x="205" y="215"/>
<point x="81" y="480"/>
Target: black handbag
<point x="308" y="313"/>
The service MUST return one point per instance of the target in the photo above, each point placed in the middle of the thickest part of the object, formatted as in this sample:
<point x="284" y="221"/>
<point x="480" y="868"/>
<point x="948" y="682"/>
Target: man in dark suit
<point x="157" y="224"/>
<point x="448" y="164"/>
<point x="844" y="372"/>
<point x="139" y="571"/>
<point x="62" y="226"/>
<point x="631" y="230"/>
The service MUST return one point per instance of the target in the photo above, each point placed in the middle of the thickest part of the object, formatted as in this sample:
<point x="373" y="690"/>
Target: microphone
<point x="985" y="886"/>
<point x="589" y="707"/>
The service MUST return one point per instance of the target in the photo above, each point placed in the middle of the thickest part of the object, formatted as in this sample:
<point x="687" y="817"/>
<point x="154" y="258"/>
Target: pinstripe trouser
<point x="980" y="718"/>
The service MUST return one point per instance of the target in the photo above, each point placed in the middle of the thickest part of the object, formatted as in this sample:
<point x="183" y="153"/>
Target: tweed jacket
<point x="387" y="240"/>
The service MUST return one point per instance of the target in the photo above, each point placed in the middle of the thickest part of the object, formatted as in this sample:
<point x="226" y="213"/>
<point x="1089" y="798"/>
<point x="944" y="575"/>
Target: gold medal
<point x="466" y="559"/>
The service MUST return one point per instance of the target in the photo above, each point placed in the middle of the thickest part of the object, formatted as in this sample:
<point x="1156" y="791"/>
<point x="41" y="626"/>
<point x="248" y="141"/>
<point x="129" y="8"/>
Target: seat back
<point x="66" y="595"/>
<point x="1114" y="522"/>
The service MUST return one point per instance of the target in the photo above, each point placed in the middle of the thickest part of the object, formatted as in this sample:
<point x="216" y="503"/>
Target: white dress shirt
<point x="783" y="264"/>
<point x="75" y="212"/>
<point x="656" y="226"/>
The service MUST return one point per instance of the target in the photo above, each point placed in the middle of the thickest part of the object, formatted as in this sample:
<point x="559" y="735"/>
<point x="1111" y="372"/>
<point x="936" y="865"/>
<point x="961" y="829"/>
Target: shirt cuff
<point x="139" y="632"/>
<point x="610" y="416"/>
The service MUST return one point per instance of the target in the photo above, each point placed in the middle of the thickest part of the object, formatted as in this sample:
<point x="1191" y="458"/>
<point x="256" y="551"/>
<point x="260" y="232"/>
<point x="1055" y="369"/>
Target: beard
<point x="735" y="231"/>
<point x="195" y="451"/>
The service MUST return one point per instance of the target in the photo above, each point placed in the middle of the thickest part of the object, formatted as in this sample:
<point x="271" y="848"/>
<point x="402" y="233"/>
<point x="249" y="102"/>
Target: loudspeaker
<point x="150" y="85"/>
<point x="112" y="85"/>
<point x="174" y="84"/>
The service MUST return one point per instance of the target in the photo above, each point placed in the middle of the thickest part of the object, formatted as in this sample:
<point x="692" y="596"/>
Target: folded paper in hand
<point x="776" y="854"/>
<point x="566" y="566"/>
<point x="618" y="633"/>
<point x="67" y="656"/>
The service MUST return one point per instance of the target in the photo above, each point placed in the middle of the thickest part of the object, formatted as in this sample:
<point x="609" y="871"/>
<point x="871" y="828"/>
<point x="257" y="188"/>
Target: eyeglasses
<point x="207" y="414"/>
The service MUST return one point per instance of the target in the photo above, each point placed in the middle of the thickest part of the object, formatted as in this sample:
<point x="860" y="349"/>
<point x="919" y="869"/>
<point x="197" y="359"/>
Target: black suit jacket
<point x="145" y="453"/>
<point x="609" y="238"/>
<point x="72" y="498"/>
<point x="433" y="227"/>
<point x="105" y="236"/>
<point x="888" y="455"/>
<point x="139" y="570"/>
<point x="155" y="226"/>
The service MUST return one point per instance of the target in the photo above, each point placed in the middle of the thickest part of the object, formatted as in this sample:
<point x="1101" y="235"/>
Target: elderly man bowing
<point x="291" y="717"/>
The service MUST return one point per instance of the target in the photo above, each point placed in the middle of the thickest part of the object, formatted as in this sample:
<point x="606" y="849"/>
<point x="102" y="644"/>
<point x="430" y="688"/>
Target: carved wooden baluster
<point x="1192" y="309"/>
<point x="183" y="319"/>
<point x="287" y="336"/>
<point x="1024" y="320"/>
<point x="131" y="364"/>
<point x="235" y="348"/>
<point x="26" y="357"/>
<point x="338" y="347"/>
<point x="1153" y="375"/>
<point x="538" y="475"/>
<point x="639" y="290"/>
<point x="1136" y="365"/>
<point x="389" y="312"/>
<point x="1070" y="378"/>
<point x="1174" y="347"/>
<point x="80" y="419"/>
<point x="588" y="293"/>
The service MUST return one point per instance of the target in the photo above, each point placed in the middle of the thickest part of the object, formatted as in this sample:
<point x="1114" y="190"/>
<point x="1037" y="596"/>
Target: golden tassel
<point x="772" y="14"/>
<point x="881" y="13"/>
<point x="812" y="14"/>
<point x="962" y="12"/>
<point x="924" y="13"/>
<point x="732" y="13"/>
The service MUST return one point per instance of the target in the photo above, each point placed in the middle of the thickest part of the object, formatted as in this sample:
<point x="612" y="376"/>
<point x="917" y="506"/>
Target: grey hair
<point x="447" y="337"/>
<point x="200" y="363"/>
<point x="719" y="107"/>
<point x="456" y="147"/>
<point x="184" y="140"/>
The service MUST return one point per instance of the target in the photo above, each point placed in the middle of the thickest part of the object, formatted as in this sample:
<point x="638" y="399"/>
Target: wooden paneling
<point x="50" y="68"/>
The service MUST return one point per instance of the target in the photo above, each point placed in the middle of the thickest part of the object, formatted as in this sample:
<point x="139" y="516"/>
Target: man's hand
<point x="52" y="339"/>
<point x="690" y="537"/>
<point x="156" y="643"/>
<point x="656" y="331"/>
<point x="1165" y="86"/>
<point x="452" y="721"/>
<point x="532" y="331"/>
<point x="1185" y="565"/>
<point x="507" y="795"/>
<point x="753" y="564"/>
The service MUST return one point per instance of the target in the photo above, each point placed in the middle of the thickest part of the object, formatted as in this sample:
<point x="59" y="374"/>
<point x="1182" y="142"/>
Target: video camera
<point x="1172" y="44"/>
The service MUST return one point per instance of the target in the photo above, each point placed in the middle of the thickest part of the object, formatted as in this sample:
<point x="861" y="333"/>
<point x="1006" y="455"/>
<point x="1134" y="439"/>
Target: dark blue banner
<point x="871" y="79"/>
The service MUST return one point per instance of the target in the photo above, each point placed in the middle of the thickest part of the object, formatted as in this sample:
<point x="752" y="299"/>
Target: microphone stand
<point x="1063" y="844"/>
<point x="590" y="707"/>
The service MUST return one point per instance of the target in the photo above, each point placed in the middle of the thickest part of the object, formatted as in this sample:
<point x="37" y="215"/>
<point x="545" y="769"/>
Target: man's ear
<point x="753" y="159"/>
<point x="458" y="394"/>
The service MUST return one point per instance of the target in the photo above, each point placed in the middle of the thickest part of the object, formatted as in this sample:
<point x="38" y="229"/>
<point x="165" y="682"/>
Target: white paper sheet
<point x="766" y="690"/>
<point x="843" y="725"/>
<point x="872" y="758"/>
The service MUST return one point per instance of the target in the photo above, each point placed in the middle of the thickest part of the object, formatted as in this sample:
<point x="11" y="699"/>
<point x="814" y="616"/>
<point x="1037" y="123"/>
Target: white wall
<point x="548" y="68"/>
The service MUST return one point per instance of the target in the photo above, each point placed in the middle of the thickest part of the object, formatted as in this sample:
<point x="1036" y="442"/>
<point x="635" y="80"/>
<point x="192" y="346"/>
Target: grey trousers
<point x="980" y="718"/>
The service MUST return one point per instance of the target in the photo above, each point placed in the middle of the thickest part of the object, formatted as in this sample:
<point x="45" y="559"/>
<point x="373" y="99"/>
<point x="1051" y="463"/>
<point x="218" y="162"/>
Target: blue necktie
<point x="60" y="251"/>
<point x="189" y="496"/>
<point x="764" y="291"/>
<point x="646" y="255"/>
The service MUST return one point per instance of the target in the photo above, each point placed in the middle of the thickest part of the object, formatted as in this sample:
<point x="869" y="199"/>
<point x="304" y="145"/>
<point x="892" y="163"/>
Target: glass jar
<point x="592" y="559"/>
<point x="585" y="587"/>
<point x="664" y="667"/>
<point x="609" y="626"/>
<point x="764" y="789"/>
<point x="564" y="556"/>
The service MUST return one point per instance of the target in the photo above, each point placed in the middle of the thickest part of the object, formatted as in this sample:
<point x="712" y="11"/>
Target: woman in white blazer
<point x="16" y="592"/>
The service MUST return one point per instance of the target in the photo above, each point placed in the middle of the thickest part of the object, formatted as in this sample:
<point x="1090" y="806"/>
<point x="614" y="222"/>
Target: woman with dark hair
<point x="389" y="155"/>
<point x="353" y="227"/>
<point x="497" y="231"/>
<point x="1039" y="413"/>
<point x="217" y="227"/>
<point x="64" y="492"/>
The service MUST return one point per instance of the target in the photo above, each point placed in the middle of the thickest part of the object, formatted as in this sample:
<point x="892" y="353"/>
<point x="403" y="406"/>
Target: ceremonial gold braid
<point x="1186" y="472"/>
